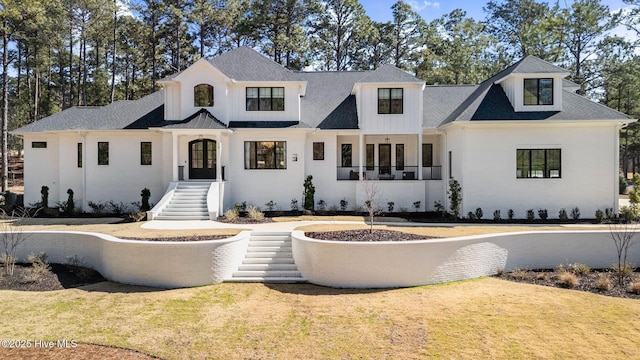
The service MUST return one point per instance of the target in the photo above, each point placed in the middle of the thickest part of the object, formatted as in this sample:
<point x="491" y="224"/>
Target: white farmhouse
<point x="240" y="127"/>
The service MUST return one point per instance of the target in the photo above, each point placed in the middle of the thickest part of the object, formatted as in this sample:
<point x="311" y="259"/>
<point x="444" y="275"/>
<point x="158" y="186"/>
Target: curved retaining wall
<point x="422" y="262"/>
<point x="147" y="263"/>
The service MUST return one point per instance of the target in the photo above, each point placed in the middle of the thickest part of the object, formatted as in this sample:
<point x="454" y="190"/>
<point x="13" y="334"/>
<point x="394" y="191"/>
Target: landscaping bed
<point x="602" y="282"/>
<point x="367" y="235"/>
<point x="182" y="238"/>
<point x="27" y="277"/>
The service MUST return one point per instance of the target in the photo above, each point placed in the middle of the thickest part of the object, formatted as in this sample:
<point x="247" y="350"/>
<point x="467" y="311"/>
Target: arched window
<point x="203" y="95"/>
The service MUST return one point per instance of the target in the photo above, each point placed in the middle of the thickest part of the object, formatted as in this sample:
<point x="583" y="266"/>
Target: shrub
<point x="39" y="267"/>
<point x="568" y="280"/>
<point x="622" y="185"/>
<point x="294" y="204"/>
<point x="510" y="214"/>
<point x="542" y="276"/>
<point x="599" y="216"/>
<point x="496" y="215"/>
<point x="308" y="193"/>
<point x="603" y="283"/>
<point x="343" y="204"/>
<point x="403" y="210"/>
<point x="471" y="215"/>
<point x="232" y="214"/>
<point x="390" y="206"/>
<point x="562" y="215"/>
<point x="44" y="197"/>
<point x="543" y="214"/>
<point x="610" y="214"/>
<point x="626" y="214"/>
<point x="145" y="194"/>
<point x="580" y="269"/>
<point x="78" y="266"/>
<point x="439" y="208"/>
<point x="634" y="287"/>
<point x="69" y="205"/>
<point x="479" y="213"/>
<point x="118" y="208"/>
<point x="322" y="205"/>
<point x="561" y="269"/>
<point x="623" y="271"/>
<point x="455" y="197"/>
<point x="255" y="214"/>
<point x="531" y="215"/>
<point x="520" y="273"/>
<point x="333" y="208"/>
<point x="97" y="208"/>
<point x="240" y="206"/>
<point x="416" y="205"/>
<point x="270" y="205"/>
<point x="575" y="213"/>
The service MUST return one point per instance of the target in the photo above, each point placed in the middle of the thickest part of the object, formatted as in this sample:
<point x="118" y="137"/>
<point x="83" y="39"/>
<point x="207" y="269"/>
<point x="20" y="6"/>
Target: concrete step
<point x="181" y="217"/>
<point x="267" y="273"/>
<point x="187" y="204"/>
<point x="268" y="260"/>
<point x="256" y="234"/>
<point x="268" y="267"/>
<point x="265" y="279"/>
<point x="268" y="249"/>
<point x="270" y="243"/>
<point x="269" y="254"/>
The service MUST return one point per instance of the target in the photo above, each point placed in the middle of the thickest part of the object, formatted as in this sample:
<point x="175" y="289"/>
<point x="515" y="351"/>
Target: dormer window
<point x="203" y="95"/>
<point x="538" y="91"/>
<point x="390" y="101"/>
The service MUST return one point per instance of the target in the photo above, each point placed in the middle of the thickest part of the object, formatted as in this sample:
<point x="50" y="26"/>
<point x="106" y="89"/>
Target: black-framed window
<point x="318" y="151"/>
<point x="400" y="157"/>
<point x="145" y="153"/>
<point x="265" y="155"/>
<point x="346" y="154"/>
<point x="538" y="163"/>
<point x="39" y="144"/>
<point x="427" y="155"/>
<point x="203" y="95"/>
<point x="265" y="98"/>
<point x="79" y="152"/>
<point x="538" y="91"/>
<point x="390" y="100"/>
<point x="370" y="159"/>
<point x="103" y="153"/>
<point x="450" y="165"/>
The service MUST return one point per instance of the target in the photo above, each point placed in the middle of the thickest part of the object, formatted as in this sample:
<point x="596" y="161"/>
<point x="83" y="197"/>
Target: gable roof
<point x="202" y="119"/>
<point x="389" y="74"/>
<point x="534" y="65"/>
<point x="246" y="64"/>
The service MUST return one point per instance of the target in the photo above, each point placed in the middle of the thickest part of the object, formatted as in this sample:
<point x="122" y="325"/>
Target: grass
<point x="485" y="318"/>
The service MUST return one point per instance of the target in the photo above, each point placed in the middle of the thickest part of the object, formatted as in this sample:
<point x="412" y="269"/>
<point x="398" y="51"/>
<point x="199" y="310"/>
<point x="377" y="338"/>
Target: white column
<point x="420" y="155"/>
<point x="360" y="155"/>
<point x="85" y="202"/>
<point x="174" y="161"/>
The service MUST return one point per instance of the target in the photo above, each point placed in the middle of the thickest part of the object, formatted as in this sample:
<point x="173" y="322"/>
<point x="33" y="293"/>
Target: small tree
<point x="44" y="199"/>
<point x="308" y="193"/>
<point x="371" y="192"/>
<point x="634" y="196"/>
<point x="455" y="197"/>
<point x="622" y="235"/>
<point x="11" y="237"/>
<point x="70" y="204"/>
<point x="145" y="194"/>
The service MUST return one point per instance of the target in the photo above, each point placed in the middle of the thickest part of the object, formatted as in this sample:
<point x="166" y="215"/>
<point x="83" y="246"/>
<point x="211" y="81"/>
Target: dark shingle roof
<point x="440" y="101"/>
<point x="246" y="64"/>
<point x="133" y="114"/>
<point x="266" y="124"/>
<point x="202" y="119"/>
<point x="534" y="65"/>
<point x="328" y="103"/>
<point x="389" y="74"/>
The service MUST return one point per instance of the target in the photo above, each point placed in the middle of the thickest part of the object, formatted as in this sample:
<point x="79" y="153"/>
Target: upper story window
<point x="265" y="99"/>
<point x="390" y="101"/>
<point x="203" y="95"/>
<point x="103" y="153"/>
<point x="538" y="91"/>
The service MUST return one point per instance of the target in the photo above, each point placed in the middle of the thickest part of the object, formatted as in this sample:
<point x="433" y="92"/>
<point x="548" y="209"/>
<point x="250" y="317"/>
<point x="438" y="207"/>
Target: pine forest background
<point x="58" y="54"/>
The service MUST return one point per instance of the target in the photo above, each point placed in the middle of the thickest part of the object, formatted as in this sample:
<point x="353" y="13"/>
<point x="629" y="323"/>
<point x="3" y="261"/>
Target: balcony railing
<point x="389" y="173"/>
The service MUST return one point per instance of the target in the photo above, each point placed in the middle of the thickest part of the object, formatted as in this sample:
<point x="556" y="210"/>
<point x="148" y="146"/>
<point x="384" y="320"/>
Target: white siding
<point x="41" y="168"/>
<point x="484" y="158"/>
<point x="409" y="122"/>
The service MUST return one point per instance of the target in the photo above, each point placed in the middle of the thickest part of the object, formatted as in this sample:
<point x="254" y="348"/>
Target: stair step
<point x="268" y="267"/>
<point x="269" y="260"/>
<point x="186" y="204"/>
<point x="265" y="273"/>
<point x="270" y="233"/>
<point x="270" y="237"/>
<point x="268" y="249"/>
<point x="174" y="217"/>
<point x="269" y="243"/>
<point x="264" y="279"/>
<point x="269" y="254"/>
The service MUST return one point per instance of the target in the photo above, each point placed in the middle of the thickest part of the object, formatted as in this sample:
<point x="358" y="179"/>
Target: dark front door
<point x="202" y="159"/>
<point x="384" y="159"/>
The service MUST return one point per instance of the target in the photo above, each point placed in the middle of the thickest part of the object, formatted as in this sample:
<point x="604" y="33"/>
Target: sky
<point x="380" y="10"/>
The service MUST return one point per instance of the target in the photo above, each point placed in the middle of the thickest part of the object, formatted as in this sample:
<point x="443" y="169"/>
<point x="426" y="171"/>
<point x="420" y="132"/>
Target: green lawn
<point x="485" y="318"/>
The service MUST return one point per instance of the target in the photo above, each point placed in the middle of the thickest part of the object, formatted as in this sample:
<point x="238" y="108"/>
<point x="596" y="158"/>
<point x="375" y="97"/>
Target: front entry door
<point x="202" y="159"/>
<point x="384" y="158"/>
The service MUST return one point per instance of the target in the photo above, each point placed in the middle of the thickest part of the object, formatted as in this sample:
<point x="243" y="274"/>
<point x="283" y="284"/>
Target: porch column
<point x="219" y="158"/>
<point x="360" y="153"/>
<point x="420" y="156"/>
<point x="174" y="162"/>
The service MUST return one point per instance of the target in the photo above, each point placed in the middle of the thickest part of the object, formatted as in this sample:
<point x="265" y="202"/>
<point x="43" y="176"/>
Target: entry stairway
<point x="189" y="202"/>
<point x="268" y="259"/>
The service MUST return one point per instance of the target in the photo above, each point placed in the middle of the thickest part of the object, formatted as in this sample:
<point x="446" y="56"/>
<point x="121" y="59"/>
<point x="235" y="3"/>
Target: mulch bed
<point x="79" y="352"/>
<point x="587" y="282"/>
<point x="59" y="277"/>
<point x="366" y="235"/>
<point x="244" y="220"/>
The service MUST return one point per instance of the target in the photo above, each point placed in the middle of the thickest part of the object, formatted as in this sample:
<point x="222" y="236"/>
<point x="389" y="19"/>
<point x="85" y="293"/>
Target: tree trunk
<point x="5" y="105"/>
<point x="114" y="52"/>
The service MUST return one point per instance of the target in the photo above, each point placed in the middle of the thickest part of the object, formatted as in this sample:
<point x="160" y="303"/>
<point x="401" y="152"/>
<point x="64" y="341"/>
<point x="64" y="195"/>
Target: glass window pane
<point x="203" y="95"/>
<point x="318" y="151"/>
<point x="346" y="155"/>
<point x="281" y="155"/>
<point x="399" y="156"/>
<point x="427" y="155"/>
<point x="546" y="92"/>
<point x="522" y="163"/>
<point x="103" y="153"/>
<point x="370" y="160"/>
<point x="145" y="153"/>
<point x="530" y="91"/>
<point x="384" y="101"/>
<point x="553" y="163"/>
<point x="252" y="99"/>
<point x="79" y="155"/>
<point x="537" y="163"/>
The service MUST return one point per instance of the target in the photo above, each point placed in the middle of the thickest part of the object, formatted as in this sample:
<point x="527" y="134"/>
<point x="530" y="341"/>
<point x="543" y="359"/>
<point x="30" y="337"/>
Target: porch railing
<point x="389" y="173"/>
